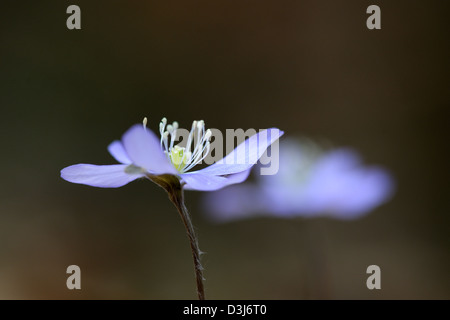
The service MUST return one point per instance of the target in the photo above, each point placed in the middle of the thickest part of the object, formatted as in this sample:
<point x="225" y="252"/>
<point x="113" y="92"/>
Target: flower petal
<point x="219" y="169"/>
<point x="238" y="177"/>
<point x="203" y="182"/>
<point x="117" y="150"/>
<point x="352" y="193"/>
<point x="250" y="200"/>
<point x="110" y="176"/>
<point x="245" y="155"/>
<point x="144" y="149"/>
<point x="206" y="182"/>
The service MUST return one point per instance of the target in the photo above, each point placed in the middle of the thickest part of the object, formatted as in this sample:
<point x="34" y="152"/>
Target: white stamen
<point x="199" y="157"/>
<point x="196" y="149"/>
<point x="162" y="126"/>
<point x="173" y="133"/>
<point x="208" y="134"/>
<point x="191" y="135"/>
<point x="200" y="141"/>
<point x="144" y="122"/>
<point x="164" y="139"/>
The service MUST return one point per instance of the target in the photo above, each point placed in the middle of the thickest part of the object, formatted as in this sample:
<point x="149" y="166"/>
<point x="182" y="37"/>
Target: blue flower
<point x="142" y="154"/>
<point x="309" y="183"/>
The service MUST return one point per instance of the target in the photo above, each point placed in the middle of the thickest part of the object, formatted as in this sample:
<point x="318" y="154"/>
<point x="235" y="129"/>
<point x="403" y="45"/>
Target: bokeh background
<point x="311" y="68"/>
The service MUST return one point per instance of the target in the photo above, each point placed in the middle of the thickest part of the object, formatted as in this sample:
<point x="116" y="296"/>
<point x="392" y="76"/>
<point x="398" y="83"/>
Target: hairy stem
<point x="174" y="189"/>
<point x="177" y="200"/>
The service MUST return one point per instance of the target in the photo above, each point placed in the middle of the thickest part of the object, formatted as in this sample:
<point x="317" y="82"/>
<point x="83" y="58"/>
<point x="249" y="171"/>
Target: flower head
<point x="141" y="154"/>
<point x="310" y="183"/>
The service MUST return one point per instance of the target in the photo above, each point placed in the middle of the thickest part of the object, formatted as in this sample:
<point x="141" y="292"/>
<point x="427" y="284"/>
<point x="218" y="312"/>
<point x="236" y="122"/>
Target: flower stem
<point x="177" y="200"/>
<point x="174" y="189"/>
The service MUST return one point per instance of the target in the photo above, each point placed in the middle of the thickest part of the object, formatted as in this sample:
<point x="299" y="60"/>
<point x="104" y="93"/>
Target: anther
<point x="162" y="125"/>
<point x="144" y="122"/>
<point x="208" y="134"/>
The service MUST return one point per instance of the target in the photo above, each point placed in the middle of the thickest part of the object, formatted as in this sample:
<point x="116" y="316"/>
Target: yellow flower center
<point x="177" y="157"/>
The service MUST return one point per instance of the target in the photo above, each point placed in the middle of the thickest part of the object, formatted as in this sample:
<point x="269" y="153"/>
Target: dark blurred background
<point x="311" y="68"/>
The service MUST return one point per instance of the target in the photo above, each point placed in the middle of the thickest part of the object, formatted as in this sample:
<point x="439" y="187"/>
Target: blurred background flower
<point x="310" y="182"/>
